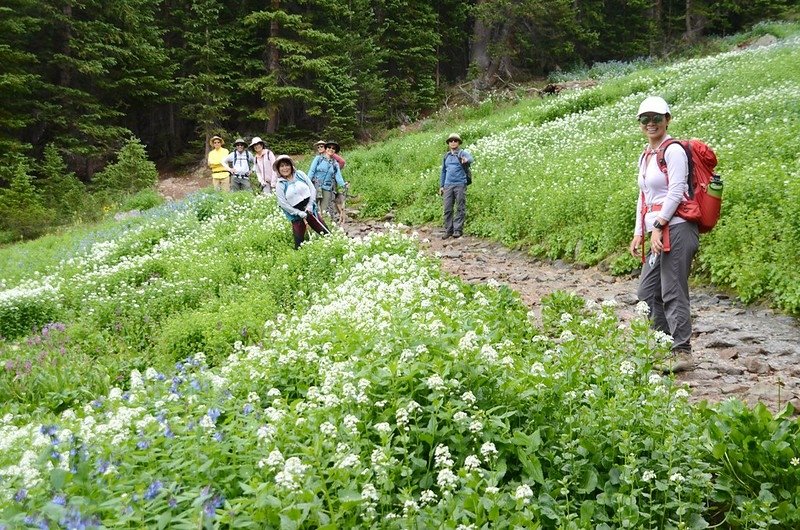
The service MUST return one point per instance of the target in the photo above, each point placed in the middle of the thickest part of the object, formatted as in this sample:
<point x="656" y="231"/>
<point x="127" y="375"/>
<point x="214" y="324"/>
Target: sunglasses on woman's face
<point x="657" y="118"/>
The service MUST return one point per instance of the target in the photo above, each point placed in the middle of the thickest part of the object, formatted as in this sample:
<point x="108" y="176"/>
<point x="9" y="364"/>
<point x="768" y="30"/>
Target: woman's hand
<point x="656" y="245"/>
<point x="636" y="242"/>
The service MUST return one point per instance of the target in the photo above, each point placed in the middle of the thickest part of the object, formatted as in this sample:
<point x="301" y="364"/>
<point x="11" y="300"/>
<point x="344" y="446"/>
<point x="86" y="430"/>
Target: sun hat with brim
<point x="211" y="141"/>
<point x="321" y="142"/>
<point x="453" y="136"/>
<point x="240" y="141"/>
<point x="332" y="144"/>
<point x="280" y="159"/>
<point x="653" y="104"/>
<point x="257" y="140"/>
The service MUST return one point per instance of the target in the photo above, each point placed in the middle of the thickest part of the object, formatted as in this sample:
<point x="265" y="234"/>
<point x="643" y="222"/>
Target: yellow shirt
<point x="215" y="158"/>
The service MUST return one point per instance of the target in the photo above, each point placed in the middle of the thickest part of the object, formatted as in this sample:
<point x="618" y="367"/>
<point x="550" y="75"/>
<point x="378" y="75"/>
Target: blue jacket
<point x="324" y="171"/>
<point x="453" y="173"/>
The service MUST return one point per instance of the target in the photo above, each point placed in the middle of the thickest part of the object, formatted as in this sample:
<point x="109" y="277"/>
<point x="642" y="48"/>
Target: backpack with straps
<point x="247" y="156"/>
<point x="467" y="169"/>
<point x="704" y="201"/>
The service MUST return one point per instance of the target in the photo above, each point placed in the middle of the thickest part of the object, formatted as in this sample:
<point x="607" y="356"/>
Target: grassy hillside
<point x="188" y="368"/>
<point x="557" y="174"/>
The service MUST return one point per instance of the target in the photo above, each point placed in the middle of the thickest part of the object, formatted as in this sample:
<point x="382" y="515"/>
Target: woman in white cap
<point x="264" y="158"/>
<point x="220" y="176"/>
<point x="664" y="280"/>
<point x="297" y="198"/>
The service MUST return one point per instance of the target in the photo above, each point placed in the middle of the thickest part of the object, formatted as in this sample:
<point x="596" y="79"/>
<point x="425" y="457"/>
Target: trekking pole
<point x="318" y="221"/>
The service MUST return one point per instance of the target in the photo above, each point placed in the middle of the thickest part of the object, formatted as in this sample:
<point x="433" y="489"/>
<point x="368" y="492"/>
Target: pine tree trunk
<point x="64" y="74"/>
<point x="273" y="65"/>
<point x="695" y="21"/>
<point x="483" y="36"/>
<point x="656" y="40"/>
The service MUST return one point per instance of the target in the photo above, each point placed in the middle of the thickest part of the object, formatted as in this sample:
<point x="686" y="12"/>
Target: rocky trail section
<point x="747" y="352"/>
<point x="752" y="353"/>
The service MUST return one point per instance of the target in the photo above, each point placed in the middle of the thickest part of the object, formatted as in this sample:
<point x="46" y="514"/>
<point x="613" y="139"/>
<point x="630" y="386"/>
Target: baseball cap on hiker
<point x="331" y="143"/>
<point x="257" y="140"/>
<point x="215" y="137"/>
<point x="453" y="136"/>
<point x="239" y="141"/>
<point x="653" y="104"/>
<point x="280" y="159"/>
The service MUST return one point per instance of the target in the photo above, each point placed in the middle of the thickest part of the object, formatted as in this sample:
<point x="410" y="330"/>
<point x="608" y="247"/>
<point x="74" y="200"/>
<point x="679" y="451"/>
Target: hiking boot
<point x="456" y="234"/>
<point x="447" y="235"/>
<point x="679" y="361"/>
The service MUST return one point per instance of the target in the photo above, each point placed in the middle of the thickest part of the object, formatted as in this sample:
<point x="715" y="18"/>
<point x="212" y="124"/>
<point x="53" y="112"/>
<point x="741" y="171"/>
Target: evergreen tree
<point x="62" y="192"/>
<point x="22" y="212"/>
<point x="408" y="41"/>
<point x="207" y="67"/>
<point x="17" y="77"/>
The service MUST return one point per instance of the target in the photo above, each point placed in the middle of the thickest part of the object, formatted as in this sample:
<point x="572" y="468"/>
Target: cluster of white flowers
<point x="523" y="493"/>
<point x="488" y="450"/>
<point x="436" y="383"/>
<point x="402" y="415"/>
<point x="627" y="368"/>
<point x="292" y="473"/>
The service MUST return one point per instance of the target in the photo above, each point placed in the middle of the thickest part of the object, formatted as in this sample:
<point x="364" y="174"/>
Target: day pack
<point x="701" y="206"/>
<point x="467" y="169"/>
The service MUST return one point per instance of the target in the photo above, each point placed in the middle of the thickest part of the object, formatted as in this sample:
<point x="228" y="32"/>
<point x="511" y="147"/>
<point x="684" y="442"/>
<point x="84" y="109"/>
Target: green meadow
<point x="187" y="368"/>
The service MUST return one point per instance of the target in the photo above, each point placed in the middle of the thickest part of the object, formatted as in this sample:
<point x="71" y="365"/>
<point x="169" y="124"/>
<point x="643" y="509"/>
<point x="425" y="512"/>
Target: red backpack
<point x="701" y="206"/>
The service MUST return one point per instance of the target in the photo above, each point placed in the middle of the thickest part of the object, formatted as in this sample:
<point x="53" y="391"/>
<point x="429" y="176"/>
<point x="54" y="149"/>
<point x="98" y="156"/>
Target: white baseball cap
<point x="653" y="104"/>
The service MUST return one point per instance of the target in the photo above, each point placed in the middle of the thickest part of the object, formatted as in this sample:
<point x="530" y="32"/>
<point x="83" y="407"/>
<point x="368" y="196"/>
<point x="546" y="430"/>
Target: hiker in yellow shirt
<point x="220" y="174"/>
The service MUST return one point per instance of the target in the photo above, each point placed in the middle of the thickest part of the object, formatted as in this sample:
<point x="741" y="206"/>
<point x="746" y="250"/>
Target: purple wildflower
<point x="152" y="490"/>
<point x="21" y="495"/>
<point x="60" y="499"/>
<point x="143" y="444"/>
<point x="213" y="413"/>
<point x="248" y="408"/>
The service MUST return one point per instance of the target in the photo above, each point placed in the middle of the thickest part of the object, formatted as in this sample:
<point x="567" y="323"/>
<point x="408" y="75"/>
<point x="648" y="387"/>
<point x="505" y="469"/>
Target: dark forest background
<point x="93" y="90"/>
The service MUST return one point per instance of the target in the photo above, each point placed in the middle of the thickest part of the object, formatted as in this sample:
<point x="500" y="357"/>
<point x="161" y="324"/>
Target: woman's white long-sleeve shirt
<point x="653" y="184"/>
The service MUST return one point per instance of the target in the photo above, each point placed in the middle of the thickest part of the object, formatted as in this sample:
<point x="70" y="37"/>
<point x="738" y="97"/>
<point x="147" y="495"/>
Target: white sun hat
<point x="653" y="104"/>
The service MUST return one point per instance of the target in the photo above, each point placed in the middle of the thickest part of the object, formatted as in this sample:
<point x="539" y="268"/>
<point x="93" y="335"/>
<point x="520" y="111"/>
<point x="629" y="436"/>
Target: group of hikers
<point x="302" y="197"/>
<point x="663" y="179"/>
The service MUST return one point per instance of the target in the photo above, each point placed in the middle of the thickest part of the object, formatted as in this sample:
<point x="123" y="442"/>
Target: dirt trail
<point x="752" y="353"/>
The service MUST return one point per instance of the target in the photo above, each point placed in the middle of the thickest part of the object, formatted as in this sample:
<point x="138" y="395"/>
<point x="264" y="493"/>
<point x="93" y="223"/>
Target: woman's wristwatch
<point x="657" y="225"/>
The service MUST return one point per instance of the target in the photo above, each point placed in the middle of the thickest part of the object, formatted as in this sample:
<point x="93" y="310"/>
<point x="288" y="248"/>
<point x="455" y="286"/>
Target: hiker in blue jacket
<point x="453" y="186"/>
<point x="326" y="175"/>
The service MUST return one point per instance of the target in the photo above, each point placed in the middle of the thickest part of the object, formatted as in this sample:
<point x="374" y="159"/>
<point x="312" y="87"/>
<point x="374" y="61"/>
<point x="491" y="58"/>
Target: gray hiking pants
<point x="455" y="196"/>
<point x="665" y="286"/>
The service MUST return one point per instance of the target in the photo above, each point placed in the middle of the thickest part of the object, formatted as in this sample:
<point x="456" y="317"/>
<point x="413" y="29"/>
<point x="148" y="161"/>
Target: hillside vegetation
<point x="557" y="175"/>
<point x="189" y="369"/>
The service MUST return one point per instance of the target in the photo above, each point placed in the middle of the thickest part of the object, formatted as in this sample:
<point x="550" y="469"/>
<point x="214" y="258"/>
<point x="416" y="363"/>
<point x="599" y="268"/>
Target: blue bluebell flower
<point x="214" y="413"/>
<point x="60" y="499"/>
<point x="248" y="408"/>
<point x="217" y="436"/>
<point x="143" y="444"/>
<point x="102" y="466"/>
<point x="168" y="432"/>
<point x="211" y="505"/>
<point x="49" y="430"/>
<point x="21" y="495"/>
<point x="195" y="384"/>
<point x="152" y="490"/>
